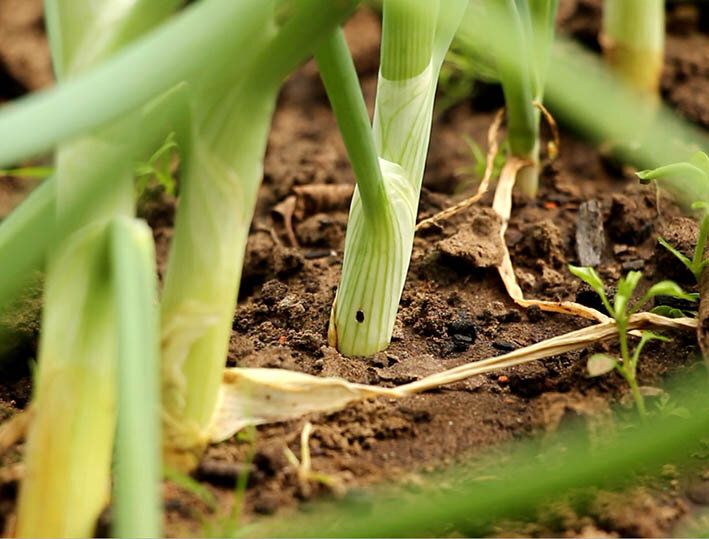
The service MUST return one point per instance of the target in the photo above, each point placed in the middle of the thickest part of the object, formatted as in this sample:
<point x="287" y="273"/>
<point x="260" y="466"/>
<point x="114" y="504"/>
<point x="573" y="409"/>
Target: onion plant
<point x="621" y="310"/>
<point x="519" y="62"/>
<point x="523" y="80"/>
<point x="633" y="40"/>
<point x="231" y="105"/>
<point x="70" y="442"/>
<point x="415" y="37"/>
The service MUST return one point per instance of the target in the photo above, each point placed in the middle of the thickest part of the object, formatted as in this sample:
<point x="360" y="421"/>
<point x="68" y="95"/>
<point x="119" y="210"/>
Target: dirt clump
<point x="478" y="244"/>
<point x="322" y="230"/>
<point x="631" y="218"/>
<point x="681" y="233"/>
<point x="25" y="63"/>
<point x="542" y="242"/>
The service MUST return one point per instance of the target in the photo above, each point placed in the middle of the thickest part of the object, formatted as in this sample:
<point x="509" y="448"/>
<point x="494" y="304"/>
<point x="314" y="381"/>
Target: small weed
<point x="621" y="311"/>
<point x="159" y="168"/>
<point x="476" y="169"/>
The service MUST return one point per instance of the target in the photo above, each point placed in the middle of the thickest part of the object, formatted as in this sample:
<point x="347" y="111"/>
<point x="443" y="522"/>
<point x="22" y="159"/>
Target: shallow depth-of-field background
<point x="454" y="308"/>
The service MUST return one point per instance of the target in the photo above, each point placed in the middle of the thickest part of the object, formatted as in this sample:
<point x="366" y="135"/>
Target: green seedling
<point x="520" y="64"/>
<point x="697" y="263"/>
<point x="687" y="178"/>
<point x="675" y="312"/>
<point x="476" y="169"/>
<point x="159" y="167"/>
<point x="621" y="310"/>
<point x="667" y="407"/>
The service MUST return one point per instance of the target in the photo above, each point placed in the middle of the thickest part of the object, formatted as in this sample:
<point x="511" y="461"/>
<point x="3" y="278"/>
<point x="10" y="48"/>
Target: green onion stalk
<point x="522" y="69"/>
<point x="633" y="40"/>
<point x="231" y="111"/>
<point x="416" y="35"/>
<point x="70" y="441"/>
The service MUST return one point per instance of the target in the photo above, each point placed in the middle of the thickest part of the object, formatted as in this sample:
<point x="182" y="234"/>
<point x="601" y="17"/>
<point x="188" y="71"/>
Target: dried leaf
<point x="502" y="204"/>
<point x="259" y="396"/>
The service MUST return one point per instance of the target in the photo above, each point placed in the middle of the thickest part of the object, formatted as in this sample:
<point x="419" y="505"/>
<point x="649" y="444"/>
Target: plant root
<point x="14" y="429"/>
<point x="554" y="145"/>
<point x="304" y="466"/>
<point x="502" y="204"/>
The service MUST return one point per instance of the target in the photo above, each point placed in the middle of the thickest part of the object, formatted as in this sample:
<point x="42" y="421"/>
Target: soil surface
<point x="454" y="309"/>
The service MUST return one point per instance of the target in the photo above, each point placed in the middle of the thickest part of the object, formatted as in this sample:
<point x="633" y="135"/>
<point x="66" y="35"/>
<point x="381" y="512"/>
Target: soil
<point x="454" y="309"/>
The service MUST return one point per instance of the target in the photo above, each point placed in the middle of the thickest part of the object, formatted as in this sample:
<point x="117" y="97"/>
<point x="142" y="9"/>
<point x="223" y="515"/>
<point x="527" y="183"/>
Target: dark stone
<point x="462" y="342"/>
<point x="462" y="325"/>
<point x="633" y="265"/>
<point x="505" y="346"/>
<point x="317" y="253"/>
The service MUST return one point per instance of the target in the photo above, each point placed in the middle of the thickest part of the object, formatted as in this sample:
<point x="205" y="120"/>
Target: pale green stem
<point x="407" y="37"/>
<point x="224" y="167"/>
<point x="70" y="441"/>
<point x="137" y="505"/>
<point x="698" y="260"/>
<point x="629" y="367"/>
<point x="377" y="252"/>
<point x="633" y="40"/>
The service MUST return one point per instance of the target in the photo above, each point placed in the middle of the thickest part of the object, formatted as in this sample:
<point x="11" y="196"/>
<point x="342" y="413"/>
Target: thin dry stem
<point x="493" y="146"/>
<point x="502" y="204"/>
<point x="554" y="146"/>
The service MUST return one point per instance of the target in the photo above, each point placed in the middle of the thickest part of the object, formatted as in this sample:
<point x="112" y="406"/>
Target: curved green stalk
<point x="342" y="84"/>
<point x="162" y="59"/>
<point x="223" y="170"/>
<point x="633" y="40"/>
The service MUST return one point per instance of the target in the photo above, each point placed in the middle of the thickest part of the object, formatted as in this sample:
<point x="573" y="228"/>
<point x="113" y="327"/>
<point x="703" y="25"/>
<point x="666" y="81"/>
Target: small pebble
<point x="462" y="342"/>
<point x="635" y="265"/>
<point x="462" y="325"/>
<point x="506" y="346"/>
<point x="503" y="379"/>
<point x="590" y="238"/>
<point x="317" y="253"/>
